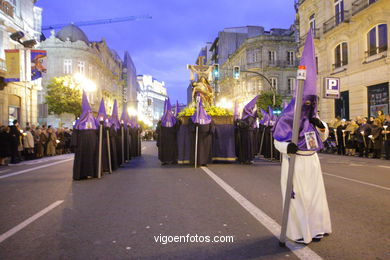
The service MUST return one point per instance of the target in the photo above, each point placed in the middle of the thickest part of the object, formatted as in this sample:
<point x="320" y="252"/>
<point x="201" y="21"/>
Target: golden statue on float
<point x="202" y="85"/>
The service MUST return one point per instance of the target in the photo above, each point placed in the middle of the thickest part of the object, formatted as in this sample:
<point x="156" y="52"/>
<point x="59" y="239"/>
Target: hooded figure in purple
<point x="125" y="119"/>
<point x="102" y="116"/>
<point x="85" y="143"/>
<point x="309" y="217"/>
<point x="247" y="146"/>
<point x="167" y="136"/>
<point x="115" y="130"/>
<point x="206" y="129"/>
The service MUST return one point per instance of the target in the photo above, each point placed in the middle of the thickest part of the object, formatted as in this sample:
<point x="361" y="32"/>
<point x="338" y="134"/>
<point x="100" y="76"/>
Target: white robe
<point x="309" y="211"/>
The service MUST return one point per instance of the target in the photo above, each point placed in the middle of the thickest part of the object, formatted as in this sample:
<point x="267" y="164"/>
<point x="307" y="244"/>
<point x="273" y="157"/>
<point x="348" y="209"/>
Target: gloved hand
<point x="292" y="148"/>
<point x="316" y="122"/>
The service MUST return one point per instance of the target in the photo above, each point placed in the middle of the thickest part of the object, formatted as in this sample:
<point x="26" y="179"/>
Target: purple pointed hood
<point x="265" y="119"/>
<point x="283" y="127"/>
<point x="285" y="104"/>
<point x="125" y="116"/>
<point x="114" y="121"/>
<point x="177" y="110"/>
<point x="255" y="123"/>
<point x="168" y="119"/>
<point x="203" y="118"/>
<point x="87" y="120"/>
<point x="236" y="115"/>
<point x="102" y="114"/>
<point x="248" y="109"/>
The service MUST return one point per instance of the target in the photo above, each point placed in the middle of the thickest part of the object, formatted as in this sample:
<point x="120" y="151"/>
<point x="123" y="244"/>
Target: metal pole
<point x="25" y="86"/>
<point x="109" y="151"/>
<point x="262" y="140"/>
<point x="272" y="146"/>
<point x="289" y="186"/>
<point x="123" y="143"/>
<point x="197" y="131"/>
<point x="100" y="149"/>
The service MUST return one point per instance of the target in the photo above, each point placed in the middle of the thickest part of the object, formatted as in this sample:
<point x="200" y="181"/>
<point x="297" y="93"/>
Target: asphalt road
<point x="46" y="215"/>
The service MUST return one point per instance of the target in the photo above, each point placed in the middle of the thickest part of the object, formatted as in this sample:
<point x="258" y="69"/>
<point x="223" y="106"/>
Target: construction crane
<point x="101" y="21"/>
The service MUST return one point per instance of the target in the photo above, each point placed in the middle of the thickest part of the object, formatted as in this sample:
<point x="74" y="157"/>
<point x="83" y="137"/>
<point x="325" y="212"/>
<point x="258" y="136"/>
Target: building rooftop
<point x="72" y="33"/>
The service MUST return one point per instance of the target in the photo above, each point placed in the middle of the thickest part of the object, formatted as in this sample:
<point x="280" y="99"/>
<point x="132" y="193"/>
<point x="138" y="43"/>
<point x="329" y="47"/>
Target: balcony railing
<point x="3" y="66"/>
<point x="282" y="63"/>
<point x="360" y="5"/>
<point x="375" y="51"/>
<point x="336" y="20"/>
<point x="316" y="35"/>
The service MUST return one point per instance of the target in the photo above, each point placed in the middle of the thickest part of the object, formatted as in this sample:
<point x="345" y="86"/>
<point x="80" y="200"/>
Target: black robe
<point x="246" y="151"/>
<point x="118" y="141"/>
<point x="205" y="139"/>
<point x="135" y="146"/>
<point x="85" y="143"/>
<point x="113" y="144"/>
<point x="167" y="143"/>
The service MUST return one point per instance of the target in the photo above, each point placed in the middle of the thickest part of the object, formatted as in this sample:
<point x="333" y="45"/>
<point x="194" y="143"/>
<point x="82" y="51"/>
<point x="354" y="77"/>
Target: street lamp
<point x="27" y="45"/>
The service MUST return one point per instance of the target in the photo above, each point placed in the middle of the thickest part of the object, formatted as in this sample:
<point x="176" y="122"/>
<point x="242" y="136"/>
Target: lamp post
<point x="269" y="82"/>
<point x="27" y="45"/>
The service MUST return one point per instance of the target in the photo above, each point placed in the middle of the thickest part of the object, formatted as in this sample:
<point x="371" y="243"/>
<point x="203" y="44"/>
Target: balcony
<point x="360" y="5"/>
<point x="283" y="63"/>
<point x="337" y="20"/>
<point x="316" y="35"/>
<point x="375" y="54"/>
<point x="3" y="67"/>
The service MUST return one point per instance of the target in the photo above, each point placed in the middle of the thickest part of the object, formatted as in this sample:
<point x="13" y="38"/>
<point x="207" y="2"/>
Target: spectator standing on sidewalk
<point x="5" y="139"/>
<point x="51" y="142"/>
<point x="14" y="142"/>
<point x="40" y="143"/>
<point x="387" y="138"/>
<point x="28" y="144"/>
<point x="376" y="139"/>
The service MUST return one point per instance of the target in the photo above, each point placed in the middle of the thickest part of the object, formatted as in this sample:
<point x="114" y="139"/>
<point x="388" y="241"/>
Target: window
<point x="290" y="58"/>
<point x="67" y="66"/>
<point x="341" y="55"/>
<point x="290" y="86"/>
<point x="81" y="67"/>
<point x="254" y="56"/>
<point x="274" y="83"/>
<point x="271" y="57"/>
<point x="312" y="23"/>
<point x="377" y="39"/>
<point x="339" y="11"/>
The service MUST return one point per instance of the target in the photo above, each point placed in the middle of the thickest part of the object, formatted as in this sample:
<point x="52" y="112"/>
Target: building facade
<point x="351" y="40"/>
<point x="71" y="53"/>
<point x="151" y="96"/>
<point x="18" y="100"/>
<point x="272" y="54"/>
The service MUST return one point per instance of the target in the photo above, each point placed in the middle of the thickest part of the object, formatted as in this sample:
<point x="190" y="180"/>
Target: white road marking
<point x="300" y="251"/>
<point x="32" y="169"/>
<point x="28" y="221"/>
<point x="382" y="166"/>
<point x="361" y="182"/>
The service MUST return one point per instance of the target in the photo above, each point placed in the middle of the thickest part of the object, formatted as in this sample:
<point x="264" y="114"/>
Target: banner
<point x="38" y="63"/>
<point x="12" y="61"/>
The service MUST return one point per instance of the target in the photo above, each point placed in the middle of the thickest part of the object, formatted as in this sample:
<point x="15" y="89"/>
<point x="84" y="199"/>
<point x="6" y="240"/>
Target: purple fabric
<point x="114" y="117"/>
<point x="203" y="118"/>
<point x="285" y="104"/>
<point x="265" y="119"/>
<point x="283" y="127"/>
<point x="102" y="114"/>
<point x="125" y="116"/>
<point x="248" y="109"/>
<point x="255" y="124"/>
<point x="177" y="108"/>
<point x="87" y="120"/>
<point x="168" y="119"/>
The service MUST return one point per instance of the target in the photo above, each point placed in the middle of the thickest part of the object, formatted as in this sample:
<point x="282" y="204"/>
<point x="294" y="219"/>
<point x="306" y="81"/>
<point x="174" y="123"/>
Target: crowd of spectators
<point x="368" y="137"/>
<point x="32" y="142"/>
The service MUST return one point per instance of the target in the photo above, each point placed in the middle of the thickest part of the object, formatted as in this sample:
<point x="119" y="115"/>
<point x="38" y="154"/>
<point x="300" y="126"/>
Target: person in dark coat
<point x="167" y="129"/>
<point x="386" y="136"/>
<point x="5" y="141"/>
<point x="85" y="141"/>
<point x="245" y="126"/>
<point x="376" y="139"/>
<point x="362" y="139"/>
<point x="206" y="130"/>
<point x="14" y="142"/>
<point x="103" y="118"/>
<point x="340" y="131"/>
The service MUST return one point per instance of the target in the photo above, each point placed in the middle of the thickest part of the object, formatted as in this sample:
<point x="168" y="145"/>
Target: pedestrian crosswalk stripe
<point x="300" y="251"/>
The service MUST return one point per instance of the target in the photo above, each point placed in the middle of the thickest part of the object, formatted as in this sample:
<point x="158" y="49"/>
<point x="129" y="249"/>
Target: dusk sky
<point x="164" y="45"/>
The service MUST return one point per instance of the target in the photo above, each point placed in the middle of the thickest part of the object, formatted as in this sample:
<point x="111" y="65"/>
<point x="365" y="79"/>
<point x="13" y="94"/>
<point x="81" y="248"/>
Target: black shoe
<point x="300" y="241"/>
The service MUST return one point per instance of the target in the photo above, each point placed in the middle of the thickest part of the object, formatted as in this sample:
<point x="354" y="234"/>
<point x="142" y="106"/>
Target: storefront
<point x="378" y="99"/>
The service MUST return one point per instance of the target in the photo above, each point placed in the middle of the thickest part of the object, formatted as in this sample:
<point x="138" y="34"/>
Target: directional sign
<point x="332" y="88"/>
